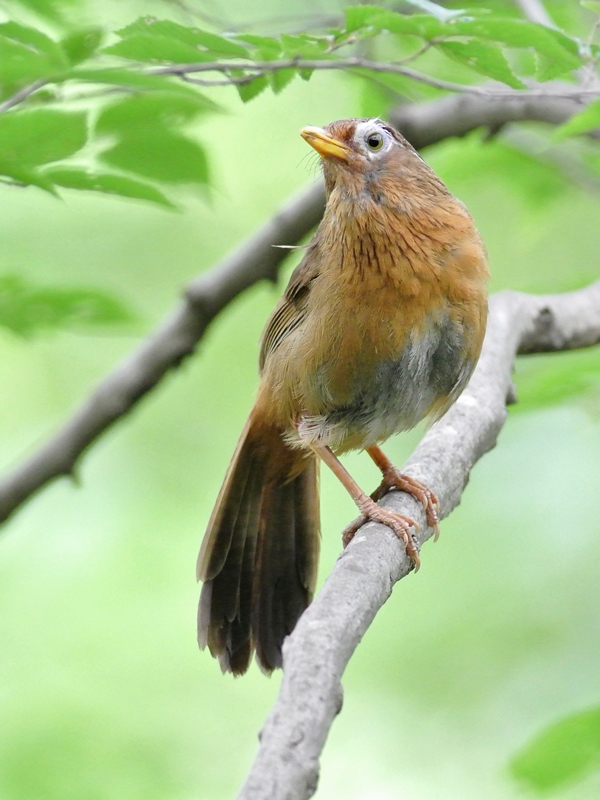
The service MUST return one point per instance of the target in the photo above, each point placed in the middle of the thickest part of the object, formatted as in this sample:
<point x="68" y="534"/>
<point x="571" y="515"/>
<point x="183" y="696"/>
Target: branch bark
<point x="256" y="69"/>
<point x="456" y="115"/>
<point x="317" y="652"/>
<point x="176" y="337"/>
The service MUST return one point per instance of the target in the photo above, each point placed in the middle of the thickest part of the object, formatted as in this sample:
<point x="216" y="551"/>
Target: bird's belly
<point x="397" y="392"/>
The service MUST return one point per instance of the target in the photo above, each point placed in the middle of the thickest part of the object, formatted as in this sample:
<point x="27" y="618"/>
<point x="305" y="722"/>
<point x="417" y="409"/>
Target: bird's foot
<point x="371" y="512"/>
<point x="394" y="479"/>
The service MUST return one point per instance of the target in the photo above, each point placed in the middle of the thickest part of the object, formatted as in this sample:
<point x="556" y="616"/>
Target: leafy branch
<point x="117" y="112"/>
<point x="261" y="69"/>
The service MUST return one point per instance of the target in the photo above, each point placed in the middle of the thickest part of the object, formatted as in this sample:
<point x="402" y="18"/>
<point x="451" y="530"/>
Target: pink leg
<point x="368" y="507"/>
<point x="394" y="479"/>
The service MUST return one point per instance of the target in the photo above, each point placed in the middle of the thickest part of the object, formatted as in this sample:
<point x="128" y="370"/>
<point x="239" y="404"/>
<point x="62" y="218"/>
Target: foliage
<point x="90" y="110"/>
<point x="564" y="752"/>
<point x="124" y="101"/>
<point x="26" y="309"/>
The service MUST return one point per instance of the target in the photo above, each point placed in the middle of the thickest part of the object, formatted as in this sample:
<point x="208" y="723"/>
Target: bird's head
<point x="361" y="155"/>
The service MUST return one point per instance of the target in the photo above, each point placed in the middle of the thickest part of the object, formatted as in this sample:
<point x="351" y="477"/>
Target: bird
<point x="380" y="326"/>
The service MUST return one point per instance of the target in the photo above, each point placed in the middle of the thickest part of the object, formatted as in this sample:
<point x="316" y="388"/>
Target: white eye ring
<point x="374" y="141"/>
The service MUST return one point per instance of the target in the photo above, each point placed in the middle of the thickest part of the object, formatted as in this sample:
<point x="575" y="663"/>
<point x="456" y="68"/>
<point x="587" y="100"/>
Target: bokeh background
<point x="103" y="692"/>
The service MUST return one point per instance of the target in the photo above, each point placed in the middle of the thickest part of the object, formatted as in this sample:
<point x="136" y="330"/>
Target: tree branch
<point x="456" y="115"/>
<point x="176" y="337"/>
<point x="22" y="94"/>
<point x="317" y="652"/>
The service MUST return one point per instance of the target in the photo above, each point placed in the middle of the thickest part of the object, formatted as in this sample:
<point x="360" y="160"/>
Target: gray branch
<point x="174" y="339"/>
<point x="256" y="259"/>
<point x="317" y="652"/>
<point x="456" y="115"/>
<point x="256" y="69"/>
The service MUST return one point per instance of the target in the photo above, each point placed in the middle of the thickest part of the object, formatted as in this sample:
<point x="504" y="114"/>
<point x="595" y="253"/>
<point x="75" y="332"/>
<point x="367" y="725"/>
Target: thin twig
<point x="317" y="652"/>
<point x="23" y="94"/>
<point x="173" y="340"/>
<point x="260" y="68"/>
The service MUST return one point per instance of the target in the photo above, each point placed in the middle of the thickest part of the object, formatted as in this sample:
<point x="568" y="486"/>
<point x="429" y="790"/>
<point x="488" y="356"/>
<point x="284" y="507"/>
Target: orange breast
<point x="393" y="328"/>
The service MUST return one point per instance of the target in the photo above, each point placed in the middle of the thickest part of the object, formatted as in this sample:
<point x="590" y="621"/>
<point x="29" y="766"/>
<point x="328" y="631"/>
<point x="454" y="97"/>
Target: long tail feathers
<point x="259" y="556"/>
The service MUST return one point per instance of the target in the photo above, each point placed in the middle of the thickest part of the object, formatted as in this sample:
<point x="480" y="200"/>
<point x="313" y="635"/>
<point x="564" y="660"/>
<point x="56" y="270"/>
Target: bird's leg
<point x="368" y="507"/>
<point x="394" y="479"/>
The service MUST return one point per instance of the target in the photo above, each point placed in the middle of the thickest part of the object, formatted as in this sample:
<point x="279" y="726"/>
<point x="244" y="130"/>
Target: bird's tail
<point x="258" y="560"/>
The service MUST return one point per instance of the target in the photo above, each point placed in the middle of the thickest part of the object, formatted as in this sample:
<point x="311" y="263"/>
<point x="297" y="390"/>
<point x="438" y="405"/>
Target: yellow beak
<point x="325" y="145"/>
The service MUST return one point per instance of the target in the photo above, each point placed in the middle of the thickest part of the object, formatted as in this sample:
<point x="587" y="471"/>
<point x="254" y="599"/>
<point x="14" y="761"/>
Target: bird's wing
<point x="292" y="308"/>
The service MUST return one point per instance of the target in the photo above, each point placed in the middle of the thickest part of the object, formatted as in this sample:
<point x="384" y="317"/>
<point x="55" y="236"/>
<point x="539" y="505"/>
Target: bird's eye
<point x="374" y="141"/>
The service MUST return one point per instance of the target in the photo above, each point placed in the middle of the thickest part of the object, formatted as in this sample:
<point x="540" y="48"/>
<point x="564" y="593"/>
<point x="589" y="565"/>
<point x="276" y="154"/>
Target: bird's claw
<point x="394" y="479"/>
<point x="401" y="526"/>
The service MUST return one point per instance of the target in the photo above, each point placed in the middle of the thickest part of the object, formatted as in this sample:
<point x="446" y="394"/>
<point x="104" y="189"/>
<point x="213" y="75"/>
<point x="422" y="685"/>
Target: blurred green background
<point x="103" y="692"/>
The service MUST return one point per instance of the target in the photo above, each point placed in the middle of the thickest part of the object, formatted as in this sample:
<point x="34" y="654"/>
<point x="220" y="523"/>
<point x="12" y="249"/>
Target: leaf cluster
<point x="27" y="310"/>
<point x="112" y="115"/>
<point x="116" y="112"/>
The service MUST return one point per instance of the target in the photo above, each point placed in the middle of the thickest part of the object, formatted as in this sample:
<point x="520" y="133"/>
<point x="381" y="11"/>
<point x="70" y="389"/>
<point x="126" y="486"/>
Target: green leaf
<point x="358" y="17"/>
<point x="423" y="25"/>
<point x="36" y="40"/>
<point x="26" y="176"/>
<point x="303" y="46"/>
<point x="81" y="45"/>
<point x="248" y="91"/>
<point x="133" y="79"/>
<point x="219" y="45"/>
<point x="483" y="57"/>
<point x="140" y="112"/>
<point x="563" y="753"/>
<point x="106" y="182"/>
<point x="583" y="122"/>
<point x="196" y="38"/>
<point x="146" y="143"/>
<point x="160" y="155"/>
<point x="156" y="49"/>
<point x="279" y="79"/>
<point x="27" y="310"/>
<point x="38" y="136"/>
<point x="591" y="5"/>
<point x="267" y="47"/>
<point x="417" y="24"/>
<point x="557" y="53"/>
<point x="53" y="10"/>
<point x="26" y="55"/>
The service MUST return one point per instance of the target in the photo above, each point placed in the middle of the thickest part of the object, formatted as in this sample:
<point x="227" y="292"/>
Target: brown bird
<point x="380" y="326"/>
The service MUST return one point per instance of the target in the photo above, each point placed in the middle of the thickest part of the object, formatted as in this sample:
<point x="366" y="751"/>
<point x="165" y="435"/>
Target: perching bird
<point x="380" y="326"/>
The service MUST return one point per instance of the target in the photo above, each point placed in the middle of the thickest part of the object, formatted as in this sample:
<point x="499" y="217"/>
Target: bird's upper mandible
<point x="368" y="154"/>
